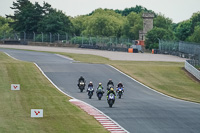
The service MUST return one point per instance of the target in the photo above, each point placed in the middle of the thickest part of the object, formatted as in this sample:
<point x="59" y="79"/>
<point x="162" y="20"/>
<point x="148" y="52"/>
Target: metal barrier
<point x="190" y="68"/>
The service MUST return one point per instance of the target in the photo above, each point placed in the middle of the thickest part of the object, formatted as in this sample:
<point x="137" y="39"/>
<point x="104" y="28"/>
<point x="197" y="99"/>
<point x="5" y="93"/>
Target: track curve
<point x="140" y="110"/>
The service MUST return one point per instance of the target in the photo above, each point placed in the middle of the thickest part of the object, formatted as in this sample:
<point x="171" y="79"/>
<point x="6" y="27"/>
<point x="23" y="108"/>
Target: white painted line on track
<point x="52" y="82"/>
<point x="76" y="100"/>
<point x="139" y="82"/>
<point x="65" y="57"/>
<point x="149" y="87"/>
<point x="11" y="56"/>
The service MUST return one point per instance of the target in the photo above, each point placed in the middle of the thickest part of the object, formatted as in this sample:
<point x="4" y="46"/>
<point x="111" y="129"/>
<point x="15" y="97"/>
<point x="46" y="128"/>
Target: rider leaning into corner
<point x="81" y="79"/>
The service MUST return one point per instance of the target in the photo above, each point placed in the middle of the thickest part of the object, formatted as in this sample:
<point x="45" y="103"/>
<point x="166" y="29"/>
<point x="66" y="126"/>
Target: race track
<point x="140" y="110"/>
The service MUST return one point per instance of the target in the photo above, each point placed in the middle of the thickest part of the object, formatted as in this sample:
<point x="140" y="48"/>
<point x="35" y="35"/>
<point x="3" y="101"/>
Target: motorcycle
<point x="111" y="99"/>
<point x="90" y="92"/>
<point x="119" y="92"/>
<point x="99" y="93"/>
<point x="81" y="86"/>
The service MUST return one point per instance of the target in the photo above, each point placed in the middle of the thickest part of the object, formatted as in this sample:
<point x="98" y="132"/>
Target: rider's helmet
<point x="90" y="82"/>
<point x="110" y="79"/>
<point x="100" y="84"/>
<point x="111" y="89"/>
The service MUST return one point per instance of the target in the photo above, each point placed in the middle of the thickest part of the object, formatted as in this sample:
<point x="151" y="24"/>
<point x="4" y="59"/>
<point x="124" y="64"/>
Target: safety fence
<point x="98" y="42"/>
<point x="192" y="66"/>
<point x="182" y="49"/>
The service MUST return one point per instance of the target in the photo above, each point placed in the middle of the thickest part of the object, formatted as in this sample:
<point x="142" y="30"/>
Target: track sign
<point x="15" y="87"/>
<point x="36" y="112"/>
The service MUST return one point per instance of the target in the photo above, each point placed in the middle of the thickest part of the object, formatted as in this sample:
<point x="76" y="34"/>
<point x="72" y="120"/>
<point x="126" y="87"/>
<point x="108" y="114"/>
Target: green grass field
<point x="37" y="93"/>
<point x="166" y="77"/>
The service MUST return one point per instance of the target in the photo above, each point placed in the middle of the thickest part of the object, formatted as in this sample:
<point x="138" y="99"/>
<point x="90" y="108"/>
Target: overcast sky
<point x="177" y="10"/>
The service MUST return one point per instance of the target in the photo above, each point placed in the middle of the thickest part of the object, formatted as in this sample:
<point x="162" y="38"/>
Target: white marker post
<point x="15" y="87"/>
<point x="36" y="112"/>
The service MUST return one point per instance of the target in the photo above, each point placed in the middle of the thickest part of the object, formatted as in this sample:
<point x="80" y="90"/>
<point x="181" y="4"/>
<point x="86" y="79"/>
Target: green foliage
<point x="160" y="21"/>
<point x="103" y="23"/>
<point x="79" y="24"/>
<point x="27" y="15"/>
<point x="195" y="20"/>
<point x="30" y="18"/>
<point x="188" y="30"/>
<point x="183" y="30"/>
<point x="132" y="25"/>
<point x="153" y="36"/>
<point x="137" y="9"/>
<point x="5" y="29"/>
<point x="55" y="22"/>
<point x="195" y="37"/>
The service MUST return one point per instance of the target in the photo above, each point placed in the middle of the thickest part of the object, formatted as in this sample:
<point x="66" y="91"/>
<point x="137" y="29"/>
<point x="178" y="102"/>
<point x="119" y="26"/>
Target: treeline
<point x="29" y="17"/>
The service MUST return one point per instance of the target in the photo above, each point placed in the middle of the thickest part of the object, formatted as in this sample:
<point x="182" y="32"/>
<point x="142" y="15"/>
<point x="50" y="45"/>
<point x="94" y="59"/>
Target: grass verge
<point x="37" y="93"/>
<point x="166" y="77"/>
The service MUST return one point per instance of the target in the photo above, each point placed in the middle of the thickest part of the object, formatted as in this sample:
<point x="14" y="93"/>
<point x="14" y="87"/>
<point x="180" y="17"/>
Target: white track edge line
<point x="80" y="100"/>
<point x="12" y="57"/>
<point x="53" y="82"/>
<point x="149" y="87"/>
<point x="65" y="57"/>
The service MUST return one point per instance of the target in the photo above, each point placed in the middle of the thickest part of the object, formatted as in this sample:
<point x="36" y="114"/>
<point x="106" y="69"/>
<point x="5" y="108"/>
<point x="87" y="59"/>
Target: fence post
<point x="66" y="37"/>
<point x="24" y="36"/>
<point x="82" y="39"/>
<point x="58" y="37"/>
<point x="33" y="36"/>
<point x="50" y="36"/>
<point x="4" y="35"/>
<point x="42" y="36"/>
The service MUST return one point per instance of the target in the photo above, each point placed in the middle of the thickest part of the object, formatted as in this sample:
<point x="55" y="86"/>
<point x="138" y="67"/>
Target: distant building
<point x="147" y="25"/>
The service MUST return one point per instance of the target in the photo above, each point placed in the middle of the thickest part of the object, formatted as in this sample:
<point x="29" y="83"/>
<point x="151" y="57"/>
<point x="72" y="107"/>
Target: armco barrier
<point x="190" y="68"/>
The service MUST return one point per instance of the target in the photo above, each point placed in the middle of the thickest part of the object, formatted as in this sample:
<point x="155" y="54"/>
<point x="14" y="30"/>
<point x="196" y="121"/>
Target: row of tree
<point x="31" y="17"/>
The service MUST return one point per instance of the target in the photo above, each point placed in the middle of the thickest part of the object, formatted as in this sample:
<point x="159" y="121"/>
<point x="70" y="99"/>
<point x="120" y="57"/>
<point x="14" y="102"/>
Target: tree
<point x="104" y="23"/>
<point x="195" y="20"/>
<point x="5" y="29"/>
<point x="183" y="30"/>
<point x="79" y="24"/>
<point x="153" y="36"/>
<point x="195" y="37"/>
<point x="137" y="9"/>
<point x="160" y="21"/>
<point x="55" y="22"/>
<point x="132" y="25"/>
<point x="27" y="15"/>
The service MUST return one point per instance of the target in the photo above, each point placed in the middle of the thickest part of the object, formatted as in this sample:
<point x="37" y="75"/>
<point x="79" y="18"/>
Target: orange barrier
<point x="152" y="51"/>
<point x="130" y="50"/>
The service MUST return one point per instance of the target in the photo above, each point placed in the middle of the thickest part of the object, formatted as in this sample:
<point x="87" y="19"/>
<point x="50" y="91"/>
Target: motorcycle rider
<point x="120" y="85"/>
<point x="90" y="85"/>
<point x="81" y="79"/>
<point x="111" y="91"/>
<point x="100" y="87"/>
<point x="110" y="82"/>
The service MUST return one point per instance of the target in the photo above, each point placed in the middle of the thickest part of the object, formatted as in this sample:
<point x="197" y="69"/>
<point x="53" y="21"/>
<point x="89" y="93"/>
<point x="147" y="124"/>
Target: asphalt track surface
<point x="140" y="110"/>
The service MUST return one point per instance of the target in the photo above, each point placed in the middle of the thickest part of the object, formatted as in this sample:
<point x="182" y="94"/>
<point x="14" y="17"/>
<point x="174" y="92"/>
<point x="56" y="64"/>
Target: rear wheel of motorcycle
<point x="110" y="105"/>
<point x="99" y="98"/>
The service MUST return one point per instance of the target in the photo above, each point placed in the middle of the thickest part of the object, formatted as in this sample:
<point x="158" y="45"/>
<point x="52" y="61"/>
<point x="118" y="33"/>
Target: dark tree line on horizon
<point x="32" y="17"/>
